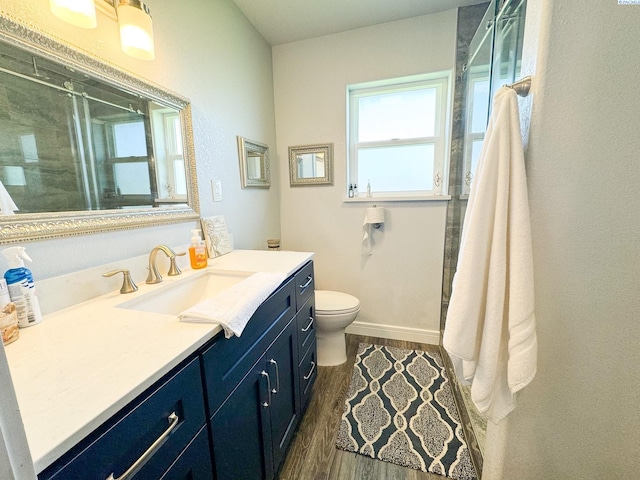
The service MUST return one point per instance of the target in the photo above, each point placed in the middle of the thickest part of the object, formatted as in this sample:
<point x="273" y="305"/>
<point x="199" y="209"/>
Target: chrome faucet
<point x="154" y="276"/>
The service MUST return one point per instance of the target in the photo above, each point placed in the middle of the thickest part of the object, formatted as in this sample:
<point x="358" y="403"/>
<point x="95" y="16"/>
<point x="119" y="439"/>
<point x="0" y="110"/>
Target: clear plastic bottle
<point x="197" y="251"/>
<point x="22" y="289"/>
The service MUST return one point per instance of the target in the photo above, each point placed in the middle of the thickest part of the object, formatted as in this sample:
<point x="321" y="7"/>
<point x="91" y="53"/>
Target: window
<point x="176" y="177"/>
<point x="129" y="159"/>
<point x="170" y="164"/>
<point x="398" y="136"/>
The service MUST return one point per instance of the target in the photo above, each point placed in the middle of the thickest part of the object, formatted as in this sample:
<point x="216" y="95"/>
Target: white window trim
<point x="441" y="140"/>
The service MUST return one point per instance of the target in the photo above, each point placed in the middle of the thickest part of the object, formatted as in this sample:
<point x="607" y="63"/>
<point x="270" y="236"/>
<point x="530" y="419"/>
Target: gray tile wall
<point x="468" y="21"/>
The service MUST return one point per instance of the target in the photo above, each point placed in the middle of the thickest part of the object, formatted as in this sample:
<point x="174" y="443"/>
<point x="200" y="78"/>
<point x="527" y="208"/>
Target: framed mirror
<point x="254" y="164"/>
<point x="85" y="147"/>
<point x="311" y="164"/>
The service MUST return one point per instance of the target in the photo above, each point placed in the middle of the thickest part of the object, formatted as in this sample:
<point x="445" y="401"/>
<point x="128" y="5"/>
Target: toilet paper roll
<point x="372" y="216"/>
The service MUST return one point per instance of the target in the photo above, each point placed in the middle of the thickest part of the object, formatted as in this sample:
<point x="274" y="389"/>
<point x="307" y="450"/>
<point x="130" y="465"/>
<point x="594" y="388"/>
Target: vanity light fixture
<point x="133" y="17"/>
<point x="136" y="29"/>
<point x="81" y="13"/>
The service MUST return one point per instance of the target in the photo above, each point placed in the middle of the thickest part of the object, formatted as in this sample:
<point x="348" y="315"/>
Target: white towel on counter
<point x="490" y="328"/>
<point x="233" y="307"/>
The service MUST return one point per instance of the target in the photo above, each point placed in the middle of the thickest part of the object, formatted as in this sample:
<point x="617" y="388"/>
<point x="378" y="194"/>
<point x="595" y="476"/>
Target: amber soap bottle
<point x="197" y="251"/>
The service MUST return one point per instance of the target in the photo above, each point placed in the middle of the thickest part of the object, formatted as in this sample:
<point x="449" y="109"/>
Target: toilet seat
<point x="335" y="303"/>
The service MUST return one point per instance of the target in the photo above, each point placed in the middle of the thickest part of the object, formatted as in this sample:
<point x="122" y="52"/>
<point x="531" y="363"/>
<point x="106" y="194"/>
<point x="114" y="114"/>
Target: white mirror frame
<point x="324" y="148"/>
<point x="245" y="147"/>
<point x="37" y="226"/>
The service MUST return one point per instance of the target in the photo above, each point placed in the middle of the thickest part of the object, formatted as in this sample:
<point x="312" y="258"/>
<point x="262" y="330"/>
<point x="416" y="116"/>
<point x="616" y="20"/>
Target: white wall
<point x="400" y="284"/>
<point x="211" y="54"/>
<point x="579" y="418"/>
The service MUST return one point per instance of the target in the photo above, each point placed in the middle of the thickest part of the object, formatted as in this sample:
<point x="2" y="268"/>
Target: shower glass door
<point x="494" y="60"/>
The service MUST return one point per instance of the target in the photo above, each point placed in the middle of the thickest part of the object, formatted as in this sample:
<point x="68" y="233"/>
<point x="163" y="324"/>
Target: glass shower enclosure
<point x="495" y="57"/>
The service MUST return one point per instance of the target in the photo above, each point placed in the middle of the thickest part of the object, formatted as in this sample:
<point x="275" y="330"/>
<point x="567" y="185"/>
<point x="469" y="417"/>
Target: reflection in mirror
<point x="311" y="164"/>
<point x="254" y="164"/>
<point x="84" y="146"/>
<point x="255" y="167"/>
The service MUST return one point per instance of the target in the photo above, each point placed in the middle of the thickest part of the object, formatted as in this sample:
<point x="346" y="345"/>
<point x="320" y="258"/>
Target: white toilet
<point x="335" y="311"/>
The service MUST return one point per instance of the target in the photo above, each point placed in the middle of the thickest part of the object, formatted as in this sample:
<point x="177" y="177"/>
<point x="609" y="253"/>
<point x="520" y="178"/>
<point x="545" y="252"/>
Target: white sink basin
<point x="174" y="298"/>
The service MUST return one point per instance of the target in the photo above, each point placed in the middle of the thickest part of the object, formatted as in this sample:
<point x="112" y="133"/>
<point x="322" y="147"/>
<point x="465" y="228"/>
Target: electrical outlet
<point x="216" y="188"/>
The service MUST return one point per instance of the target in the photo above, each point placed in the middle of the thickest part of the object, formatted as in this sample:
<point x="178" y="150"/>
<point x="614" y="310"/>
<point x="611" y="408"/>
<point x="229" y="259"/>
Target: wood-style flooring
<point x="313" y="454"/>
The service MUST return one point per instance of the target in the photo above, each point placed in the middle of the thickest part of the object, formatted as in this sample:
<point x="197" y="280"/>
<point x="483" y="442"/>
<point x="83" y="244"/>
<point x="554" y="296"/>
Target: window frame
<point x="441" y="139"/>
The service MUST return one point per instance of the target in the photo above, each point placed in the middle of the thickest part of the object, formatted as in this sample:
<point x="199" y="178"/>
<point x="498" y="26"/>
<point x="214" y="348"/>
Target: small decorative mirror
<point x="311" y="164"/>
<point x="254" y="164"/>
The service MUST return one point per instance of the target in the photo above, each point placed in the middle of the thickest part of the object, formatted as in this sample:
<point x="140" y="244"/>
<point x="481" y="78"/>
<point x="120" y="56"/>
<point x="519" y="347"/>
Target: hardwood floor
<point x="313" y="454"/>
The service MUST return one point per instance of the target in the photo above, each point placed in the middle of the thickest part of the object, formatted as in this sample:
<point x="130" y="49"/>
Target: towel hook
<point x="522" y="86"/>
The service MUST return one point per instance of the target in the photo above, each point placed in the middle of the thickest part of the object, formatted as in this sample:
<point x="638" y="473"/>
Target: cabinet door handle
<point x="307" y="283"/>
<point x="308" y="326"/>
<point x="265" y="374"/>
<point x="277" y="389"/>
<point x="313" y="367"/>
<point x="146" y="456"/>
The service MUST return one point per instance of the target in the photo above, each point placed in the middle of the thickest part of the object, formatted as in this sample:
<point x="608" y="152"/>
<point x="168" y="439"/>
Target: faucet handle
<point x="128" y="285"/>
<point x="173" y="267"/>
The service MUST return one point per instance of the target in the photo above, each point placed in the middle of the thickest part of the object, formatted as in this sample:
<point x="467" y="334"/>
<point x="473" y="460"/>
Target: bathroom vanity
<point x="151" y="397"/>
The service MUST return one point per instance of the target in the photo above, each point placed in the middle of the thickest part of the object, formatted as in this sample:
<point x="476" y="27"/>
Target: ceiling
<point x="285" y="21"/>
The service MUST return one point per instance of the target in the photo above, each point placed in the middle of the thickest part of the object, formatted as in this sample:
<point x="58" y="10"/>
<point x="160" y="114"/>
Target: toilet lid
<point x="335" y="303"/>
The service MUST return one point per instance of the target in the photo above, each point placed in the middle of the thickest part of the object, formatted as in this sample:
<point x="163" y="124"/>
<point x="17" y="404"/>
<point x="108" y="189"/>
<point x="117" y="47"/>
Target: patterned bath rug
<point x="400" y="409"/>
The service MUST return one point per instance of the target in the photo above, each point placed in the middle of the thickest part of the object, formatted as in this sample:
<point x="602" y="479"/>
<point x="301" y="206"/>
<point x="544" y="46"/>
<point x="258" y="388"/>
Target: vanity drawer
<point x="308" y="374"/>
<point x="228" y="360"/>
<point x="306" y="325"/>
<point x="172" y="409"/>
<point x="195" y="462"/>
<point x="305" y="284"/>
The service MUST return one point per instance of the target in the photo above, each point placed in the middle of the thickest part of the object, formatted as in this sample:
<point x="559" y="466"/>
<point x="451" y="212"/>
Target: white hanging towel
<point x="7" y="205"/>
<point x="490" y="328"/>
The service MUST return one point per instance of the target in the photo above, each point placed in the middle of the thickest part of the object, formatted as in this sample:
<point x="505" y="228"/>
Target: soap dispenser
<point x="197" y="251"/>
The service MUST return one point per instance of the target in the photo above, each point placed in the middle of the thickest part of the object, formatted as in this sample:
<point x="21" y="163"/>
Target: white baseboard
<point x="432" y="337"/>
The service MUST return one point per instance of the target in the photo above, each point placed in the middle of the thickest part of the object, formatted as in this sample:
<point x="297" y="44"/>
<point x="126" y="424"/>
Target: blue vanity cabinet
<point x="153" y="432"/>
<point x="227" y="412"/>
<point x="305" y="284"/>
<point x="308" y="372"/>
<point x="253" y="428"/>
<point x="306" y="325"/>
<point x="284" y="407"/>
<point x="192" y="464"/>
<point x="306" y="332"/>
<point x="255" y="385"/>
<point x="227" y="360"/>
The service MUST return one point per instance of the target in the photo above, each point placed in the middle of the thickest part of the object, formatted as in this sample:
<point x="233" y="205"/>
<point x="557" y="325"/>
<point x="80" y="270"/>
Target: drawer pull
<point x="277" y="389"/>
<point x="305" y="329"/>
<point x="146" y="456"/>
<point x="265" y="374"/>
<point x="307" y="283"/>
<point x="313" y="367"/>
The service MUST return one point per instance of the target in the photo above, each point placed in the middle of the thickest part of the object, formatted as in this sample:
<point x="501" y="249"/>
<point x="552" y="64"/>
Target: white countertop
<point x="82" y="364"/>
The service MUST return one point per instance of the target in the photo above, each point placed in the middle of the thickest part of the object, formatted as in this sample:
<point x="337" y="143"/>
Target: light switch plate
<point x="216" y="187"/>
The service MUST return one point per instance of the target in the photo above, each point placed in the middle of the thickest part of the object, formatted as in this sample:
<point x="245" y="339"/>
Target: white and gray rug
<point x="400" y="409"/>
